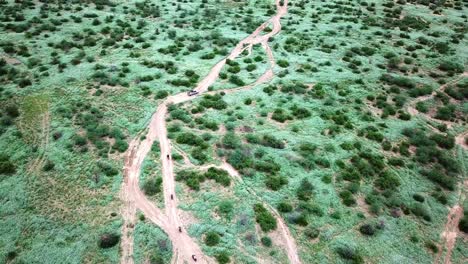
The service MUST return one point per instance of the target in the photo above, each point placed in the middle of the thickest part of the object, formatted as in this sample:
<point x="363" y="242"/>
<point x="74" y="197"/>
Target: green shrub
<point x="48" y="166"/>
<point x="350" y="254"/>
<point x="225" y="207"/>
<point x="419" y="210"/>
<point x="418" y="197"/>
<point x="312" y="232"/>
<point x="432" y="246"/>
<point x="367" y="229"/>
<point x="107" y="169"/>
<point x="285" y="207"/>
<point x="299" y="219"/>
<point x="152" y="186"/>
<point x="222" y="257"/>
<point x="234" y="79"/>
<point x="347" y="198"/>
<point x="275" y="182"/>
<point x="305" y="190"/>
<point x="156" y="259"/>
<point x="6" y="166"/>
<point x="108" y="240"/>
<point x="280" y="115"/>
<point x="446" y="112"/>
<point x="12" y="110"/>
<point x="283" y="63"/>
<point x="219" y="175"/>
<point x="231" y="141"/>
<point x="161" y="94"/>
<point x="212" y="238"/>
<point x="266" y="241"/>
<point x="264" y="218"/>
<point x="191" y="178"/>
<point x="271" y="141"/>
<point x="387" y="181"/>
<point x="189" y="138"/>
<point x="120" y="145"/>
<point x="463" y="224"/>
<point x="451" y="66"/>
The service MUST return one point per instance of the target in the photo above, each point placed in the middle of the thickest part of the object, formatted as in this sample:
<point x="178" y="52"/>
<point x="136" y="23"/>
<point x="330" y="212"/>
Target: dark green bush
<point x="387" y="181"/>
<point x="108" y="240"/>
<point x="212" y="238"/>
<point x="191" y="139"/>
<point x="222" y="257"/>
<point x="418" y="197"/>
<point x="152" y="186"/>
<point x="350" y="254"/>
<point x="275" y="182"/>
<point x="311" y="232"/>
<point x="305" y="190"/>
<point x="48" y="166"/>
<point x="419" y="210"/>
<point x="264" y="218"/>
<point x="219" y="175"/>
<point x="231" y="141"/>
<point x="225" y="207"/>
<point x="367" y="229"/>
<point x="463" y="224"/>
<point x="285" y="207"/>
<point x="6" y="166"/>
<point x="283" y="63"/>
<point x="266" y="241"/>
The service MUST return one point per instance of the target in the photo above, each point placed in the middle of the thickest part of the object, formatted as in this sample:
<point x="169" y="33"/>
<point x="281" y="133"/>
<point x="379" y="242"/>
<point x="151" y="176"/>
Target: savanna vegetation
<point x="354" y="142"/>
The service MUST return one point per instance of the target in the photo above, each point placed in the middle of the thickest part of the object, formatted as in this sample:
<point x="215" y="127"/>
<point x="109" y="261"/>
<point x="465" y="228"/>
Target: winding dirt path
<point x="291" y="248"/>
<point x="412" y="106"/>
<point x="450" y="233"/>
<point x="184" y="247"/>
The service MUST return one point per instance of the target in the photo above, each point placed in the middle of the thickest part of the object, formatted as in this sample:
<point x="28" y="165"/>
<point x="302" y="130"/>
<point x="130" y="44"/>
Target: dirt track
<point x="450" y="233"/>
<point x="413" y="111"/>
<point x="183" y="245"/>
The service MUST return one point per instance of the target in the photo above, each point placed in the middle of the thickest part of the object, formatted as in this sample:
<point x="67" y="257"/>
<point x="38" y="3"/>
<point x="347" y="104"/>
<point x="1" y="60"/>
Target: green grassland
<point x="329" y="142"/>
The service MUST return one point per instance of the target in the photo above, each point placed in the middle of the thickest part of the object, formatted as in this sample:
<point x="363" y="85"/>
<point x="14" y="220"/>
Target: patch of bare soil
<point x="363" y="206"/>
<point x="461" y="140"/>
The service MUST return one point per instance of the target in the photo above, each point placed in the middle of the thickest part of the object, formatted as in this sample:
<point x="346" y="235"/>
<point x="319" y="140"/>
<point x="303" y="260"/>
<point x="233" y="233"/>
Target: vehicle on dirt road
<point x="192" y="93"/>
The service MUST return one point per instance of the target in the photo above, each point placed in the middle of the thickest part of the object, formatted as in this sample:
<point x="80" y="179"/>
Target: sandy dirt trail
<point x="184" y="247"/>
<point x="455" y="214"/>
<point x="291" y="248"/>
<point x="450" y="233"/>
<point x="412" y="106"/>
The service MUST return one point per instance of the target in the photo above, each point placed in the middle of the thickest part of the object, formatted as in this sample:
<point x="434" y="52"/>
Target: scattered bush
<point x="222" y="257"/>
<point x="6" y="166"/>
<point x="264" y="218"/>
<point x="463" y="224"/>
<point x="152" y="186"/>
<point x="367" y="229"/>
<point x="350" y="254"/>
<point x="419" y="210"/>
<point x="266" y="241"/>
<point x="108" y="240"/>
<point x="305" y="190"/>
<point x="418" y="197"/>
<point x="285" y="207"/>
<point x="212" y="238"/>
<point x="312" y="232"/>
